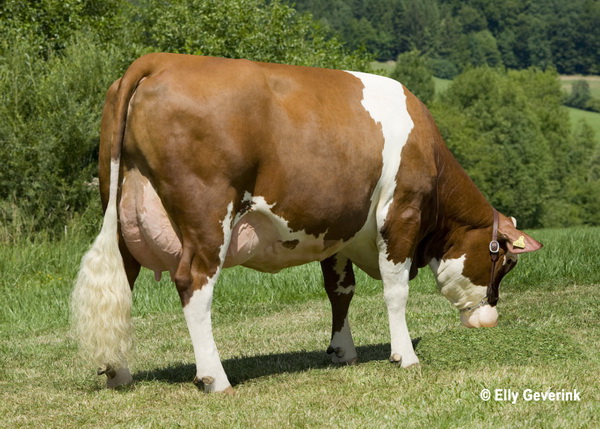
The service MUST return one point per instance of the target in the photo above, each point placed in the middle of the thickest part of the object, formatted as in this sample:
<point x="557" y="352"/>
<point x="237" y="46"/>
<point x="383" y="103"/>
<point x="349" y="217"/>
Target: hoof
<point x="206" y="384"/>
<point x="207" y="381"/>
<point x="338" y="351"/>
<point x="116" y="377"/>
<point x="338" y="354"/>
<point x="352" y="362"/>
<point x="204" y="381"/>
<point x="396" y="358"/>
<point x="228" y="391"/>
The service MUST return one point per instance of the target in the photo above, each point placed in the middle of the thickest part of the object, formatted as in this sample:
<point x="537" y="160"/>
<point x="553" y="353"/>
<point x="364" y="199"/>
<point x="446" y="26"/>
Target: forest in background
<point x="57" y="58"/>
<point x="456" y="34"/>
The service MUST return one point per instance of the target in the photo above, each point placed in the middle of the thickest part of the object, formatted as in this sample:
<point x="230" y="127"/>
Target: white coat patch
<point x="264" y="241"/>
<point x="384" y="99"/>
<point x="457" y="288"/>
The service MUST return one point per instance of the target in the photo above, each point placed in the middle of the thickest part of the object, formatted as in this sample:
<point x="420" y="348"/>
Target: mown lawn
<point x="592" y="118"/>
<point x="272" y="331"/>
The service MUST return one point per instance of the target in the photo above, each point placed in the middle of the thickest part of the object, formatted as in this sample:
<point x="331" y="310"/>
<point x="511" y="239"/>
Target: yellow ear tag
<point x="520" y="243"/>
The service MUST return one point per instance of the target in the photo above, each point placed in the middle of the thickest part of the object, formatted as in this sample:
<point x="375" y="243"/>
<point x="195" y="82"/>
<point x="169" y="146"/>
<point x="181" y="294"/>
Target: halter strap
<point x="494" y="247"/>
<point x="491" y="297"/>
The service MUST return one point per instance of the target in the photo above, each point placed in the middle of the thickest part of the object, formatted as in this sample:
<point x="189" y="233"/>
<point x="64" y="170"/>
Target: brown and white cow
<point x="208" y="163"/>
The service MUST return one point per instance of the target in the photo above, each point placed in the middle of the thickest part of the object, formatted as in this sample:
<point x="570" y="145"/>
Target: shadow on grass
<point x="245" y="368"/>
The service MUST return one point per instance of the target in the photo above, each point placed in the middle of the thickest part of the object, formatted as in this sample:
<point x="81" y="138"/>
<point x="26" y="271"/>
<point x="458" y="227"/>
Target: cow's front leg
<point x="339" y="282"/>
<point x="395" y="278"/>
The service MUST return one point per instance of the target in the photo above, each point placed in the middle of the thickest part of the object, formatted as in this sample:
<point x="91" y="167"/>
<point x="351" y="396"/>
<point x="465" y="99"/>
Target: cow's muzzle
<point x="484" y="316"/>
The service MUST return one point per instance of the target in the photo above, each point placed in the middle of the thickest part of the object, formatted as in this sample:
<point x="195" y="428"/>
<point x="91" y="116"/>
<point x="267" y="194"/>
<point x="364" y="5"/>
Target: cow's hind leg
<point x="339" y="283"/>
<point x="203" y="255"/>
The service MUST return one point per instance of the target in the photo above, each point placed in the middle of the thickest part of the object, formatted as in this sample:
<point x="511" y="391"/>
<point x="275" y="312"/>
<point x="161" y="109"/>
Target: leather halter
<point x="492" y="292"/>
<point x="491" y="297"/>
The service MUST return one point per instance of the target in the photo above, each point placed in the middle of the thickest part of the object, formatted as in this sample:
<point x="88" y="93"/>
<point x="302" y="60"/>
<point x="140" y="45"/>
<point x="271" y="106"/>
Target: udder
<point x="146" y="227"/>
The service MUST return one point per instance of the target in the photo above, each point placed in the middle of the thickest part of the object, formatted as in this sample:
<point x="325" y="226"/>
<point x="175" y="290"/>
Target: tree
<point x="51" y="24"/>
<point x="252" y="29"/>
<point x="412" y="71"/>
<point x="418" y="26"/>
<point x="580" y="95"/>
<point x="58" y="58"/>
<point x="491" y="122"/>
<point x="514" y="33"/>
<point x="511" y="134"/>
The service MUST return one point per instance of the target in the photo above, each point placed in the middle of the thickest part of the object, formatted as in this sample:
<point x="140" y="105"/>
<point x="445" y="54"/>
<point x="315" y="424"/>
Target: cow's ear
<point x="516" y="241"/>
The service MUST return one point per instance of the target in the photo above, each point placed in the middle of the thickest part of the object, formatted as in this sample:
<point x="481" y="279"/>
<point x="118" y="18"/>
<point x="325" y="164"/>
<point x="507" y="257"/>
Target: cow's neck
<point x="461" y="205"/>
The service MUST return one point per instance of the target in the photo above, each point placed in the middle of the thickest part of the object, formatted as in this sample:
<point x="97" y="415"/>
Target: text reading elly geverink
<point x="530" y="395"/>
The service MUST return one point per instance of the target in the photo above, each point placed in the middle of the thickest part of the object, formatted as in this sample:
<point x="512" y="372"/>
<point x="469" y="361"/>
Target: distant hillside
<point x="455" y="34"/>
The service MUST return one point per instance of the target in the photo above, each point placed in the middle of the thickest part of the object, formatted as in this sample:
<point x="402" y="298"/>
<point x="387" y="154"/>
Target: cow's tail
<point x="101" y="299"/>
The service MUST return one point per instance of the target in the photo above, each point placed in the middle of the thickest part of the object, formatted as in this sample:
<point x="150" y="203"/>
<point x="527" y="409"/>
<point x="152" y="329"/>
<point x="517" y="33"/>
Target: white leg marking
<point x="395" y="292"/>
<point x="198" y="317"/>
<point x="340" y="269"/>
<point x="343" y="345"/>
<point x="197" y="314"/>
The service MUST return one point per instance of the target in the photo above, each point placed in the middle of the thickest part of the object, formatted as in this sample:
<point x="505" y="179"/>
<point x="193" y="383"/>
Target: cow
<point x="208" y="163"/>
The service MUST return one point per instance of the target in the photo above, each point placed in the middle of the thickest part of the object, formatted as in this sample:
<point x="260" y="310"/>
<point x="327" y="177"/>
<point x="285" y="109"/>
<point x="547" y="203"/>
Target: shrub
<point x="257" y="30"/>
<point x="509" y="131"/>
<point x="580" y="95"/>
<point x="50" y="115"/>
<point x="443" y="68"/>
<point x="411" y="69"/>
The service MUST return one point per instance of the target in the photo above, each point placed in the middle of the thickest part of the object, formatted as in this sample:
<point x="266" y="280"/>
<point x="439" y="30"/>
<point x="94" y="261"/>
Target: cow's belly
<point x="363" y="253"/>
<point x="260" y="241"/>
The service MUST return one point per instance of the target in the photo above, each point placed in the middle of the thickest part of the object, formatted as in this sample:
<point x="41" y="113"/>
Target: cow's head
<point x="470" y="271"/>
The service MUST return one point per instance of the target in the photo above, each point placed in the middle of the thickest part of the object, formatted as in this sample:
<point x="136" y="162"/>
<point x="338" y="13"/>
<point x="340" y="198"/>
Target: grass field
<point x="592" y="118"/>
<point x="441" y="84"/>
<point x="272" y="331"/>
<point x="385" y="68"/>
<point x="593" y="81"/>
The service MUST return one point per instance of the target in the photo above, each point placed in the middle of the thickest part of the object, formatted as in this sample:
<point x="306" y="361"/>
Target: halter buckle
<point x="494" y="246"/>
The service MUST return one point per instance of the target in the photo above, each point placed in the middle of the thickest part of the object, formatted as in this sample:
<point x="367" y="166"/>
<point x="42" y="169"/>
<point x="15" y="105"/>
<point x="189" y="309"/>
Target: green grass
<point x="593" y="81"/>
<point x="272" y="332"/>
<point x="441" y="84"/>
<point x="385" y="68"/>
<point x="592" y="118"/>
